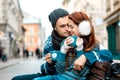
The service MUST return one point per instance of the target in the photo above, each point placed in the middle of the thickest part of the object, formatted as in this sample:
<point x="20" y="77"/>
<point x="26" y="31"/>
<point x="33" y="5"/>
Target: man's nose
<point x="69" y="29"/>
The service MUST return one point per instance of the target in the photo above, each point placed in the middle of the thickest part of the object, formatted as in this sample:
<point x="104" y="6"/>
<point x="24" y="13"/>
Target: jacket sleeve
<point x="48" y="46"/>
<point x="47" y="69"/>
<point x="98" y="55"/>
<point x="106" y="55"/>
<point x="61" y="63"/>
<point x="91" y="58"/>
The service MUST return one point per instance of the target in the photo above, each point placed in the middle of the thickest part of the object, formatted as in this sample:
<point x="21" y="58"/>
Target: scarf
<point x="56" y="40"/>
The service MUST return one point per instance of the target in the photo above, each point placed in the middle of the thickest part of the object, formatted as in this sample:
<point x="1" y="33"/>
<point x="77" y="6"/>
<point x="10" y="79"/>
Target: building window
<point x="31" y="30"/>
<point x="117" y="39"/>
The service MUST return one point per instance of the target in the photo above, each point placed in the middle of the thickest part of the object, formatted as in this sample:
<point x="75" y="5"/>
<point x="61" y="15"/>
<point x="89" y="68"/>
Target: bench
<point x="105" y="71"/>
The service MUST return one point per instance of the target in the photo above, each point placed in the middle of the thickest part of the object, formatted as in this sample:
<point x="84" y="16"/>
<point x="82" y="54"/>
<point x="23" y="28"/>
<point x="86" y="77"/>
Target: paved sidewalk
<point x="8" y="63"/>
<point x="15" y="61"/>
<point x="11" y="62"/>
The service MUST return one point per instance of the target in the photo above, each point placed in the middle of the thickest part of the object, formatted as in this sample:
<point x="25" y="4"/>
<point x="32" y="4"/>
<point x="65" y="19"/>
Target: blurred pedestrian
<point x="26" y="53"/>
<point x="38" y="53"/>
<point x="3" y="55"/>
<point x="18" y="52"/>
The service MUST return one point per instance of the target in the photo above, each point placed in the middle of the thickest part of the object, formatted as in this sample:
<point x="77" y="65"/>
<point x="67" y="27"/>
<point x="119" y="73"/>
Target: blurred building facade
<point x="34" y="34"/>
<point x="95" y="9"/>
<point x="112" y="20"/>
<point x="10" y="25"/>
<point x="103" y="14"/>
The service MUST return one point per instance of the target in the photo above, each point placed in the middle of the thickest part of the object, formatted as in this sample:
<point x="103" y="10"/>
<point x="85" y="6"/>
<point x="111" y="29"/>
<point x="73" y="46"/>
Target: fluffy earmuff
<point x="84" y="28"/>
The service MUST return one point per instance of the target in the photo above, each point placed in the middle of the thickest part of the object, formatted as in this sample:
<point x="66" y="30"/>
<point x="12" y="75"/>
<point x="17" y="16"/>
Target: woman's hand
<point x="80" y="62"/>
<point x="79" y="44"/>
<point x="65" y="47"/>
<point x="75" y="42"/>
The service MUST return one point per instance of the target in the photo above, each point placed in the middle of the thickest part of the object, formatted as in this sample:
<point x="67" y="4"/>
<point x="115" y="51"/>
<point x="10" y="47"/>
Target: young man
<point x="59" y="21"/>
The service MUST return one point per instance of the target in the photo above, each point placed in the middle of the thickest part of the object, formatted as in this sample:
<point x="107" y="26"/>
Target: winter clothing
<point x="74" y="38"/>
<point x="84" y="28"/>
<point x="52" y="43"/>
<point x="48" y="46"/>
<point x="26" y="77"/>
<point x="60" y="64"/>
<point x="58" y="70"/>
<point x="56" y="14"/>
<point x="62" y="69"/>
<point x="56" y="40"/>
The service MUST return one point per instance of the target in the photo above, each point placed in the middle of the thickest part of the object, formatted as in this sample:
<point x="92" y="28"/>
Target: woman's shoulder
<point x="101" y="47"/>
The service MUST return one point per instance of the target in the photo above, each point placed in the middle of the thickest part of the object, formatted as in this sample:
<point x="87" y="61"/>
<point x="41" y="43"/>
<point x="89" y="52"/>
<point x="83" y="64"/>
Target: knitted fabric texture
<point x="56" y="40"/>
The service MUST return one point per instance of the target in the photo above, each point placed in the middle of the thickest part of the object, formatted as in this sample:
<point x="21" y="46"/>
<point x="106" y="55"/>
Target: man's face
<point x="62" y="27"/>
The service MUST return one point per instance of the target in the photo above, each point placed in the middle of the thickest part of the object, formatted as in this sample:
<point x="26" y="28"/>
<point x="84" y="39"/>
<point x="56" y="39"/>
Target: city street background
<point x="19" y="67"/>
<point x="44" y="8"/>
<point x="24" y="27"/>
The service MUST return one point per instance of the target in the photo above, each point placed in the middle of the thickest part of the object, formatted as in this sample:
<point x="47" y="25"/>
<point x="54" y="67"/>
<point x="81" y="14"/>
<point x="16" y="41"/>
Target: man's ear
<point x="84" y="28"/>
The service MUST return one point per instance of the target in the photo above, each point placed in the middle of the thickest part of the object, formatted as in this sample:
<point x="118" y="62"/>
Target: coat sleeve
<point x="99" y="55"/>
<point x="47" y="69"/>
<point x="91" y="58"/>
<point x="48" y="46"/>
<point x="61" y="63"/>
<point x="106" y="55"/>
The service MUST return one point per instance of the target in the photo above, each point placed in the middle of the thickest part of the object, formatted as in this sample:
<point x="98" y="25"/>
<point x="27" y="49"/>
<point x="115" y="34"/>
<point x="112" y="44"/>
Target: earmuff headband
<point x="84" y="28"/>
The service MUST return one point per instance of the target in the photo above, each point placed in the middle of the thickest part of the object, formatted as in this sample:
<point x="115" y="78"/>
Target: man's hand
<point x="80" y="62"/>
<point x="48" y="58"/>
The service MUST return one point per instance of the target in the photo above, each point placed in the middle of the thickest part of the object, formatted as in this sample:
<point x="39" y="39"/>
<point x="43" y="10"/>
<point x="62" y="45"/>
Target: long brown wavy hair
<point x="89" y="40"/>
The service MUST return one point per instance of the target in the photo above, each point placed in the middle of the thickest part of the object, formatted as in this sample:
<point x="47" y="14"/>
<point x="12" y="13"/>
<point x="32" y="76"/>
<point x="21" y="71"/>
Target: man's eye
<point x="72" y="27"/>
<point x="62" y="25"/>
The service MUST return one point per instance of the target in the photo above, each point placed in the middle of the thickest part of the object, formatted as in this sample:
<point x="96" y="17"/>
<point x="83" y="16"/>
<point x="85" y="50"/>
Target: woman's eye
<point x="71" y="26"/>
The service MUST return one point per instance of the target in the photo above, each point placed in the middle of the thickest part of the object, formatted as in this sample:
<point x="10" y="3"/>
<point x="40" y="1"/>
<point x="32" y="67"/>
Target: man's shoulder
<point x="48" y="39"/>
<point x="48" y="42"/>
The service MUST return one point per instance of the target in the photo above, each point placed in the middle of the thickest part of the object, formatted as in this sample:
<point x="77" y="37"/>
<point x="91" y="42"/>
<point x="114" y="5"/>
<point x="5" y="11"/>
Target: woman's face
<point x="73" y="28"/>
